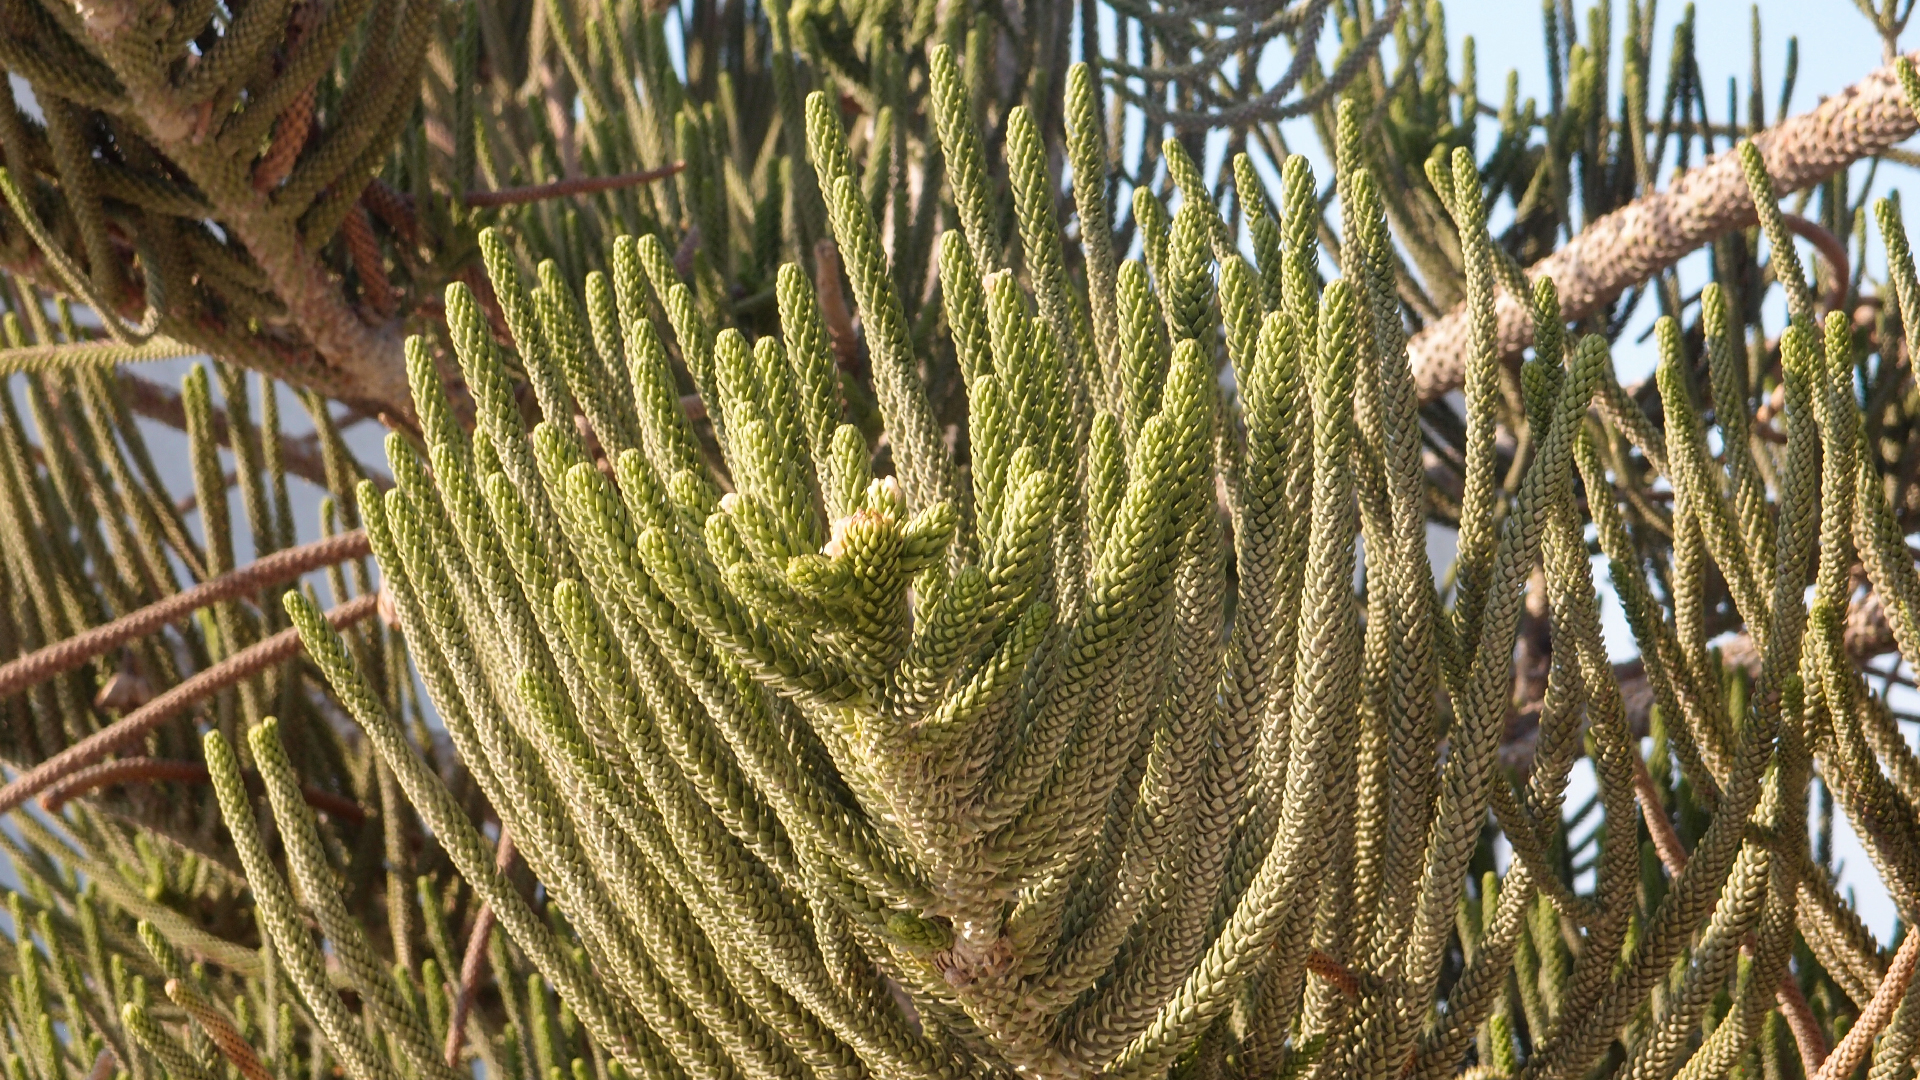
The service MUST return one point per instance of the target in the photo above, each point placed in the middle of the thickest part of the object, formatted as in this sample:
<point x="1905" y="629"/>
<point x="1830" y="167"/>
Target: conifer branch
<point x="44" y="358"/>
<point x="270" y="570"/>
<point x="1634" y="243"/>
<point x="563" y="189"/>
<point x="977" y="673"/>
<point x="140" y="770"/>
<point x="135" y="725"/>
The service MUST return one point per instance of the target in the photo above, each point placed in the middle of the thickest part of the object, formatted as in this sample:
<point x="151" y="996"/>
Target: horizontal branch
<point x="1657" y="230"/>
<point x="274" y="569"/>
<point x="135" y="725"/>
<point x="155" y="402"/>
<point x="146" y="770"/>
<point x="560" y="189"/>
<point x="73" y="354"/>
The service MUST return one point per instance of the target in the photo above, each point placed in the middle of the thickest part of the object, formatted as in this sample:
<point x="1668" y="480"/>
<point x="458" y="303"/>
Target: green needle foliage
<point x="846" y="611"/>
<point x="830" y="772"/>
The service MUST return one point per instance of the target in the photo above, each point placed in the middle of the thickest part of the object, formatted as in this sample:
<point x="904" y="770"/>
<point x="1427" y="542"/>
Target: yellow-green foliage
<point x="1083" y="743"/>
<point x="1046" y="677"/>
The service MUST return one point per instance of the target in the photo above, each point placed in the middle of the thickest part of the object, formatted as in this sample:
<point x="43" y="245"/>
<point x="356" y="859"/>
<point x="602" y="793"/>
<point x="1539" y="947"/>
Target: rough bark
<point x="1652" y="233"/>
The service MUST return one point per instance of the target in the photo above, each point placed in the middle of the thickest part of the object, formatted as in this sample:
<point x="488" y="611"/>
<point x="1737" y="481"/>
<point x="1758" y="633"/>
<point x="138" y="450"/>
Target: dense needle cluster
<point x="844" y="617"/>
<point x="771" y="740"/>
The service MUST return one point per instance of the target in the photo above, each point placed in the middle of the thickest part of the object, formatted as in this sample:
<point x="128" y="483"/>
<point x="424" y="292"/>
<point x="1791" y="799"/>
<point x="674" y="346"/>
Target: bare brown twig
<point x="579" y="185"/>
<point x="281" y="566"/>
<point x="146" y="770"/>
<point x="135" y="725"/>
<point x="476" y="955"/>
<point x="1673" y="855"/>
<point x="1665" y="841"/>
<point x="1853" y="1047"/>
<point x="833" y="305"/>
<point x="1807" y="1036"/>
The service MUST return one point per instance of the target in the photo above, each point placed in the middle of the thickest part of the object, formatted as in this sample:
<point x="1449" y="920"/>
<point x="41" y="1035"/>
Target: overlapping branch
<point x="1631" y="245"/>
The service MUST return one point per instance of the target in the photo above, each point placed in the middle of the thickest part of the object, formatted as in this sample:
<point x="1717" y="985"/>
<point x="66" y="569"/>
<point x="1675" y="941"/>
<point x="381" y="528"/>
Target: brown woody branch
<point x="1807" y="1036"/>
<point x="1639" y="240"/>
<point x="476" y="955"/>
<point x="1832" y="252"/>
<point x="146" y="770"/>
<point x="561" y="189"/>
<point x="833" y="306"/>
<point x="281" y="566"/>
<point x="135" y="725"/>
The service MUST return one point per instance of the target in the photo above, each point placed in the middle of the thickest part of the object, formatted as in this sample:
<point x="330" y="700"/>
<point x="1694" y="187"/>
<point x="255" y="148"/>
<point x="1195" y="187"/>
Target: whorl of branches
<point x="976" y="674"/>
